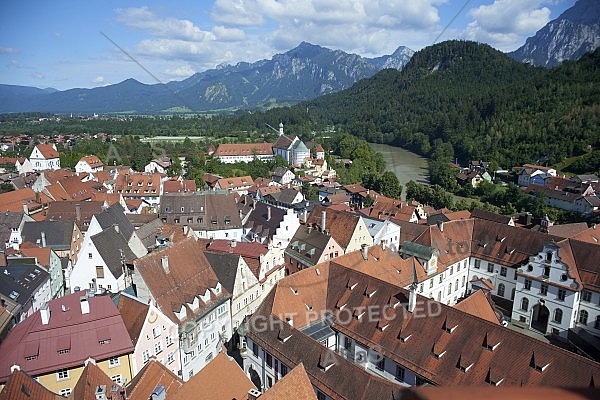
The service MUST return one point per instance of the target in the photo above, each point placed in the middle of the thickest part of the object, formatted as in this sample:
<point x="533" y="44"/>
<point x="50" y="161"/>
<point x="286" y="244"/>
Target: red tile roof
<point x="133" y="311"/>
<point x="295" y="385"/>
<point x="21" y="386"/>
<point x="47" y="151"/>
<point x="81" y="334"/>
<point x="92" y="377"/>
<point x="92" y="160"/>
<point x="220" y="379"/>
<point x="152" y="375"/>
<point x="477" y="304"/>
<point x="244" y="149"/>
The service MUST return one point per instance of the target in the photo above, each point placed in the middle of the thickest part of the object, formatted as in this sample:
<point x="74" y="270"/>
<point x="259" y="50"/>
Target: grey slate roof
<point x="108" y="243"/>
<point x="23" y="277"/>
<point x="225" y="266"/>
<point x="286" y="196"/>
<point x="200" y="210"/>
<point x="258" y="223"/>
<point x="115" y="215"/>
<point x="147" y="232"/>
<point x="8" y="221"/>
<point x="58" y="233"/>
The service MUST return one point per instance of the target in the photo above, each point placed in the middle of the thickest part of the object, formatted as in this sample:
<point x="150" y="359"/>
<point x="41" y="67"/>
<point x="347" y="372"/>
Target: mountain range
<point x="574" y="33"/>
<point x="303" y="73"/>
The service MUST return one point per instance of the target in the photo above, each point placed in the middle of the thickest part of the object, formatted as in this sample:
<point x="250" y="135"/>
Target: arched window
<point x="583" y="317"/>
<point x="558" y="315"/>
<point x="525" y="304"/>
<point x="501" y="290"/>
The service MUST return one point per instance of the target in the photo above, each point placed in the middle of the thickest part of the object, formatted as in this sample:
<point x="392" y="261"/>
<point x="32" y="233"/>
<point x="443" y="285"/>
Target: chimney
<point x="323" y="220"/>
<point x="364" y="250"/>
<point x="78" y="212"/>
<point x="45" y="314"/>
<point x="92" y="291"/>
<point x="185" y="230"/>
<point x="268" y="213"/>
<point x="253" y="394"/>
<point x="440" y="225"/>
<point x="14" y="368"/>
<point x="116" y="228"/>
<point x="233" y="243"/>
<point x="305" y="216"/>
<point x="165" y="263"/>
<point x="85" y="305"/>
<point x="43" y="234"/>
<point x="25" y="208"/>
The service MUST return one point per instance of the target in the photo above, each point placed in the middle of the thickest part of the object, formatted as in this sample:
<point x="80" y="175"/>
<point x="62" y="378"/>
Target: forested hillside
<point x="466" y="101"/>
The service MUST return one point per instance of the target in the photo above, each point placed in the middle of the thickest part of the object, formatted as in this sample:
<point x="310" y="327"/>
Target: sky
<point x="66" y="44"/>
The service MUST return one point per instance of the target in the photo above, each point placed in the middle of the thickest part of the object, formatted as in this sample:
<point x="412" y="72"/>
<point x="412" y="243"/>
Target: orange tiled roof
<point x="478" y="305"/>
<point x="153" y="374"/>
<point x="244" y="149"/>
<point x="295" y="385"/>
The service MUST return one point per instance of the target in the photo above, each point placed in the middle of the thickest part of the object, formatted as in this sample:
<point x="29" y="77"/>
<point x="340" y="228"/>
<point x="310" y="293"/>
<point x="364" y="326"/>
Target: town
<point x="157" y="282"/>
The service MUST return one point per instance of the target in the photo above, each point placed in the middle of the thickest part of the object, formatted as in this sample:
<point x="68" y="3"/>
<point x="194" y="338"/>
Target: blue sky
<point x="60" y="43"/>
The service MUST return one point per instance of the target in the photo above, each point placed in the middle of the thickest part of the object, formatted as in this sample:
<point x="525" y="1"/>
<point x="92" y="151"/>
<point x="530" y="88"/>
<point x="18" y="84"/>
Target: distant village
<point x="125" y="284"/>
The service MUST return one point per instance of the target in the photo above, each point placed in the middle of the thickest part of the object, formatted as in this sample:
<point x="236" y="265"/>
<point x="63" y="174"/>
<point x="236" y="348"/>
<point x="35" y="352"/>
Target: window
<point x="449" y="288"/>
<point x="441" y="277"/>
<point x="116" y="379"/>
<point x="456" y="285"/>
<point x="430" y="283"/>
<point x="586" y="295"/>
<point x="113" y="362"/>
<point x="515" y="275"/>
<point x="89" y="255"/>
<point x="420" y="381"/>
<point x="451" y="270"/>
<point x="597" y="323"/>
<point x="208" y="357"/>
<point x="562" y="294"/>
<point x="156" y="331"/>
<point x="490" y="267"/>
<point x="512" y="294"/>
<point x="169" y="340"/>
<point x="62" y="374"/>
<point x="544" y="289"/>
<point x="255" y="349"/>
<point x="525" y="304"/>
<point x="269" y="360"/>
<point x="170" y="358"/>
<point x="284" y="370"/>
<point x="380" y="364"/>
<point x="399" y="373"/>
<point x="321" y="395"/>
<point x="546" y="271"/>
<point x="157" y="348"/>
<point x="527" y="284"/>
<point x="463" y="281"/>
<point x="558" y="314"/>
<point x="477" y="264"/>
<point x="146" y="355"/>
<point x="347" y="343"/>
<point x="501" y="289"/>
<point x="503" y="271"/>
<point x="65" y="392"/>
<point x="583" y="317"/>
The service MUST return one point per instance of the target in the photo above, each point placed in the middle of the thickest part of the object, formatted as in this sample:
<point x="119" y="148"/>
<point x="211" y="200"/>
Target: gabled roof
<point x="87" y="384"/>
<point x="109" y="244"/>
<point x="59" y="234"/>
<point x="244" y="149"/>
<point x="340" y="225"/>
<point x="67" y="210"/>
<point x="283" y="142"/>
<point x="478" y="304"/>
<point x="285" y="196"/>
<point x="115" y="215"/>
<point x="47" y="151"/>
<point x="295" y="385"/>
<point x="133" y="311"/>
<point x="21" y="386"/>
<point x="151" y="376"/>
<point x="92" y="160"/>
<point x="308" y="244"/>
<point x="264" y="220"/>
<point x="99" y="334"/>
<point x="189" y="275"/>
<point x="235" y="182"/>
<point x="225" y="266"/>
<point x="220" y="379"/>
<point x="490" y="216"/>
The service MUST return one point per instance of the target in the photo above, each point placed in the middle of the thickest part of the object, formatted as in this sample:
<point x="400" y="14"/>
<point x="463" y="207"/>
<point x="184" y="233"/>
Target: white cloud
<point x="143" y="19"/>
<point x="38" y="75"/>
<point x="228" y="34"/>
<point x="8" y="50"/>
<point x="99" y="79"/>
<point x="505" y="24"/>
<point x="183" y="71"/>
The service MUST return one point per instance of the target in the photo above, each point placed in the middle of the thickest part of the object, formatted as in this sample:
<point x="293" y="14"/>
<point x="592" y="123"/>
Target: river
<point x="405" y="164"/>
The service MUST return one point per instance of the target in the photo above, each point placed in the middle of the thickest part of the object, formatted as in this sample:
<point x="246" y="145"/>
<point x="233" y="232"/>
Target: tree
<point x="389" y="185"/>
